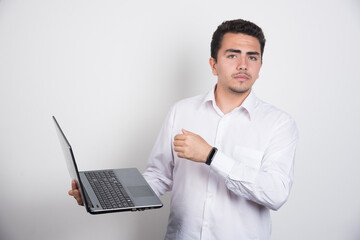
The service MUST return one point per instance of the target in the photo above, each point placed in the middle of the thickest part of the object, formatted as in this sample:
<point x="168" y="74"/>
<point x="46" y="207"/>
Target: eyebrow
<point x="239" y="51"/>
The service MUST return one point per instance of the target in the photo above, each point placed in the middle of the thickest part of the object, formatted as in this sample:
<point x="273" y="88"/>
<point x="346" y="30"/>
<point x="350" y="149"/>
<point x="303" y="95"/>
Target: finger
<point x="180" y="137"/>
<point x="76" y="193"/>
<point x="75" y="189"/>
<point x="179" y="149"/>
<point x="186" y="131"/>
<point x="74" y="185"/>
<point x="179" y="143"/>
<point x="181" y="155"/>
<point x="78" y="197"/>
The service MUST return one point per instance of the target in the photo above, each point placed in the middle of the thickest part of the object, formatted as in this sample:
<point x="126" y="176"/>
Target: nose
<point x="241" y="64"/>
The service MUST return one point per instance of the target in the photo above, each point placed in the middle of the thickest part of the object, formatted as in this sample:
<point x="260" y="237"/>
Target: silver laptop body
<point x="111" y="190"/>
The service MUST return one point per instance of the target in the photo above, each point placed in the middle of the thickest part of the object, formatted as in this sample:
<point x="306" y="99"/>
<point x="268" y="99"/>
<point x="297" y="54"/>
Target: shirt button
<point x="210" y="195"/>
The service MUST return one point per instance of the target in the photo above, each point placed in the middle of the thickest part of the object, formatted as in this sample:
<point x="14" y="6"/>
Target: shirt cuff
<point x="222" y="164"/>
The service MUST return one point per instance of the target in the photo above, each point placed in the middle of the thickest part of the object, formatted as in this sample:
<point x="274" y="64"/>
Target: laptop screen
<point x="68" y="153"/>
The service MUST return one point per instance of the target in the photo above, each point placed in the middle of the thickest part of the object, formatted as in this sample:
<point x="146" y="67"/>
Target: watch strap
<point x="211" y="156"/>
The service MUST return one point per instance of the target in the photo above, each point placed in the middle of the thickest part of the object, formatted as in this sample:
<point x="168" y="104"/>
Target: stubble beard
<point x="241" y="89"/>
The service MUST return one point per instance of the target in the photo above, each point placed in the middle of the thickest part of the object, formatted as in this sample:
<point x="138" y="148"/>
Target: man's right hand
<point x="75" y="192"/>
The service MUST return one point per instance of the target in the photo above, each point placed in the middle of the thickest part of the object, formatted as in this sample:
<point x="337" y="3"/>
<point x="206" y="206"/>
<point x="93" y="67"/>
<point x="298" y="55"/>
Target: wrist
<point x="211" y="156"/>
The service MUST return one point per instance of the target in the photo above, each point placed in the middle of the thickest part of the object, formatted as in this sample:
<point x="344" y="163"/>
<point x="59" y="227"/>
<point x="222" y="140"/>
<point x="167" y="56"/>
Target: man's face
<point x="238" y="63"/>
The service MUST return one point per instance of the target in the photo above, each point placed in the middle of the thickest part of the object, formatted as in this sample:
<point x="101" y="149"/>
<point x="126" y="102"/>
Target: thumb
<point x="184" y="131"/>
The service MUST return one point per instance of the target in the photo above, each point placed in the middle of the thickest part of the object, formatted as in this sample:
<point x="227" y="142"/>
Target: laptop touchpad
<point x="140" y="191"/>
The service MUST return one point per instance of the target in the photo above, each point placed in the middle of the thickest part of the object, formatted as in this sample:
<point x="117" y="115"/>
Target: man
<point x="226" y="156"/>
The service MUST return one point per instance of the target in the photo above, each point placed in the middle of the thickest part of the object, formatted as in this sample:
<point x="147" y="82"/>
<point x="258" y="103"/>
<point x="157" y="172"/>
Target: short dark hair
<point x="236" y="26"/>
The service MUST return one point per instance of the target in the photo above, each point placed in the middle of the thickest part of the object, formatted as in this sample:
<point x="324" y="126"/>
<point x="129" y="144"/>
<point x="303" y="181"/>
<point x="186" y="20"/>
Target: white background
<point x="110" y="70"/>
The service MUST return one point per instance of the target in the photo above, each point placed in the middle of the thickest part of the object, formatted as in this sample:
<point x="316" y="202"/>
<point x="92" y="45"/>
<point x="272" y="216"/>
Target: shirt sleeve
<point x="160" y="164"/>
<point x="268" y="184"/>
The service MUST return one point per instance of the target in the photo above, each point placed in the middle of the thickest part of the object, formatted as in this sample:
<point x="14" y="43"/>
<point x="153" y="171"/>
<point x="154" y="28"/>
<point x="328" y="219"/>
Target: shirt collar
<point x="248" y="105"/>
<point x="210" y="96"/>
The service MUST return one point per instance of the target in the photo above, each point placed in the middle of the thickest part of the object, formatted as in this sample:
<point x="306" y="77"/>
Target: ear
<point x="212" y="63"/>
<point x="258" y="75"/>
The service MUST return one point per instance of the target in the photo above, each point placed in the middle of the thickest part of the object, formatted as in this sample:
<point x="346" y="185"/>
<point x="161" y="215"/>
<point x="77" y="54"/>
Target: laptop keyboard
<point x="109" y="191"/>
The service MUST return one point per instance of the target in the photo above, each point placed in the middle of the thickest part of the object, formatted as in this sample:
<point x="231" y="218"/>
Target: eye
<point x="253" y="58"/>
<point x="231" y="56"/>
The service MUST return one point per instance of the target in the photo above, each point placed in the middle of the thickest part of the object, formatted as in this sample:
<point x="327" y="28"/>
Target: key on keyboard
<point x="108" y="190"/>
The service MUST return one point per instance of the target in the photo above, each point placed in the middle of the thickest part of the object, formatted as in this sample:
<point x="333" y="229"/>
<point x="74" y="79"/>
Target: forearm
<point x="158" y="182"/>
<point x="160" y="165"/>
<point x="266" y="182"/>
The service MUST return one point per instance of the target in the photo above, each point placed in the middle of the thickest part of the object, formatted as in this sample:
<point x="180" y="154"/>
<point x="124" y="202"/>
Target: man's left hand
<point x="191" y="146"/>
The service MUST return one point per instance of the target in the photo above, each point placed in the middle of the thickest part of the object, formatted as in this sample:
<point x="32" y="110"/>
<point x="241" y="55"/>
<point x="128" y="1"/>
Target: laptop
<point x="111" y="190"/>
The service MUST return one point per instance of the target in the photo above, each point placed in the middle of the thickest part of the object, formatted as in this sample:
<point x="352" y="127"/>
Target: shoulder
<point x="272" y="115"/>
<point x="185" y="107"/>
<point x="268" y="110"/>
<point x="189" y="103"/>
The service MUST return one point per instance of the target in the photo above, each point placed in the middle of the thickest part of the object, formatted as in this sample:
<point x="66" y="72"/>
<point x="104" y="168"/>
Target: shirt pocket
<point x="248" y="156"/>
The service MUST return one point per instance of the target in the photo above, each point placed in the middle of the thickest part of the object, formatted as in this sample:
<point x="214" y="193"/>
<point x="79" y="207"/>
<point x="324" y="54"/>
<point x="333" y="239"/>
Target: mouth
<point x="241" y="77"/>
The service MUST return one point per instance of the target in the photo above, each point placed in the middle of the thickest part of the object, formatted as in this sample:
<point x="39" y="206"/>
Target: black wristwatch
<point x="211" y="156"/>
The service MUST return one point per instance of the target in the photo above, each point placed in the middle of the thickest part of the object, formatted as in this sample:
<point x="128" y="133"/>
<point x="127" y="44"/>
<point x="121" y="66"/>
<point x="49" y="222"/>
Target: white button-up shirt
<point x="251" y="172"/>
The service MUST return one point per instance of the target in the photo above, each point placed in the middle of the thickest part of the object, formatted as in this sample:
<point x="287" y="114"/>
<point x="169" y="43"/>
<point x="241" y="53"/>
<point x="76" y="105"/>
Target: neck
<point x="227" y="100"/>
